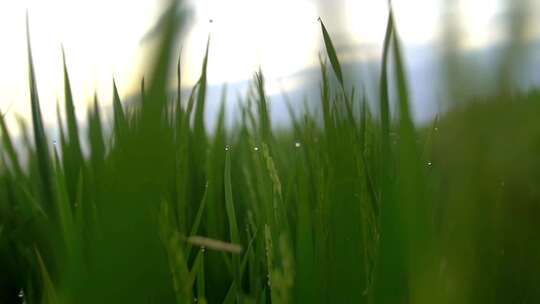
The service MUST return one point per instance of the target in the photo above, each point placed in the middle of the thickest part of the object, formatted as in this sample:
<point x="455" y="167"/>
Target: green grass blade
<point x="384" y="92"/>
<point x="231" y="213"/>
<point x="61" y="132"/>
<point x="71" y="118"/>
<point x="262" y="108"/>
<point x="49" y="293"/>
<point x="404" y="104"/>
<point x="198" y="217"/>
<point x="9" y="148"/>
<point x="201" y="96"/>
<point x="201" y="284"/>
<point x="118" y="110"/>
<point x="332" y="55"/>
<point x="230" y="298"/>
<point x="95" y="134"/>
<point x="229" y="202"/>
<point x="414" y="207"/>
<point x="40" y="139"/>
<point x="179" y="80"/>
<point x="72" y="155"/>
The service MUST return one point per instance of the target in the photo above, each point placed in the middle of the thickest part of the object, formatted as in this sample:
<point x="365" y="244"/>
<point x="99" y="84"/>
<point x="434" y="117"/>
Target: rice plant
<point x="350" y="205"/>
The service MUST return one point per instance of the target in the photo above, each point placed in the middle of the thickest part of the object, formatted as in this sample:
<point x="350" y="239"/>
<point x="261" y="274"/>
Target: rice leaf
<point x="9" y="148"/>
<point x="40" y="139"/>
<point x="231" y="213"/>
<point x="118" y="110"/>
<point x="332" y="55"/>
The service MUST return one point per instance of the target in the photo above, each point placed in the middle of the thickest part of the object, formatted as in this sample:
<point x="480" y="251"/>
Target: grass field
<point x="346" y="206"/>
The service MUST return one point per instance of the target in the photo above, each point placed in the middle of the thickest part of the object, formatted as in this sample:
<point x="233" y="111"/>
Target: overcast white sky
<point x="102" y="38"/>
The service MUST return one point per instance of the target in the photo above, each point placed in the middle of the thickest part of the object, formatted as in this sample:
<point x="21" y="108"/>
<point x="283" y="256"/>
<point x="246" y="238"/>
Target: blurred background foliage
<point x="353" y="202"/>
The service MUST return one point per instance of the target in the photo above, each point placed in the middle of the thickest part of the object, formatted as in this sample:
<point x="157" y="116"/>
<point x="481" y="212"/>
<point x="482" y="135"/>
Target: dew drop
<point x="297" y="144"/>
<point x="21" y="294"/>
<point x="255" y="148"/>
<point x="429" y="164"/>
<point x="227" y="148"/>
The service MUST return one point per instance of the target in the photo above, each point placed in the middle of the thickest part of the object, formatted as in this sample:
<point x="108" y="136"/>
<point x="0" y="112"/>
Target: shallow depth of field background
<point x="306" y="152"/>
<point x="106" y="39"/>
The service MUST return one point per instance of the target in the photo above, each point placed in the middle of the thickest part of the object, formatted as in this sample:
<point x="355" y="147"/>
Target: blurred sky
<point x="102" y="38"/>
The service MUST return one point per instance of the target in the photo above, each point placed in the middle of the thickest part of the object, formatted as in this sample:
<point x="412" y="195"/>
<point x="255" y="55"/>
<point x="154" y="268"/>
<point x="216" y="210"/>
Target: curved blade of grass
<point x="332" y="55"/>
<point x="199" y="129"/>
<point x="404" y="104"/>
<point x="42" y="150"/>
